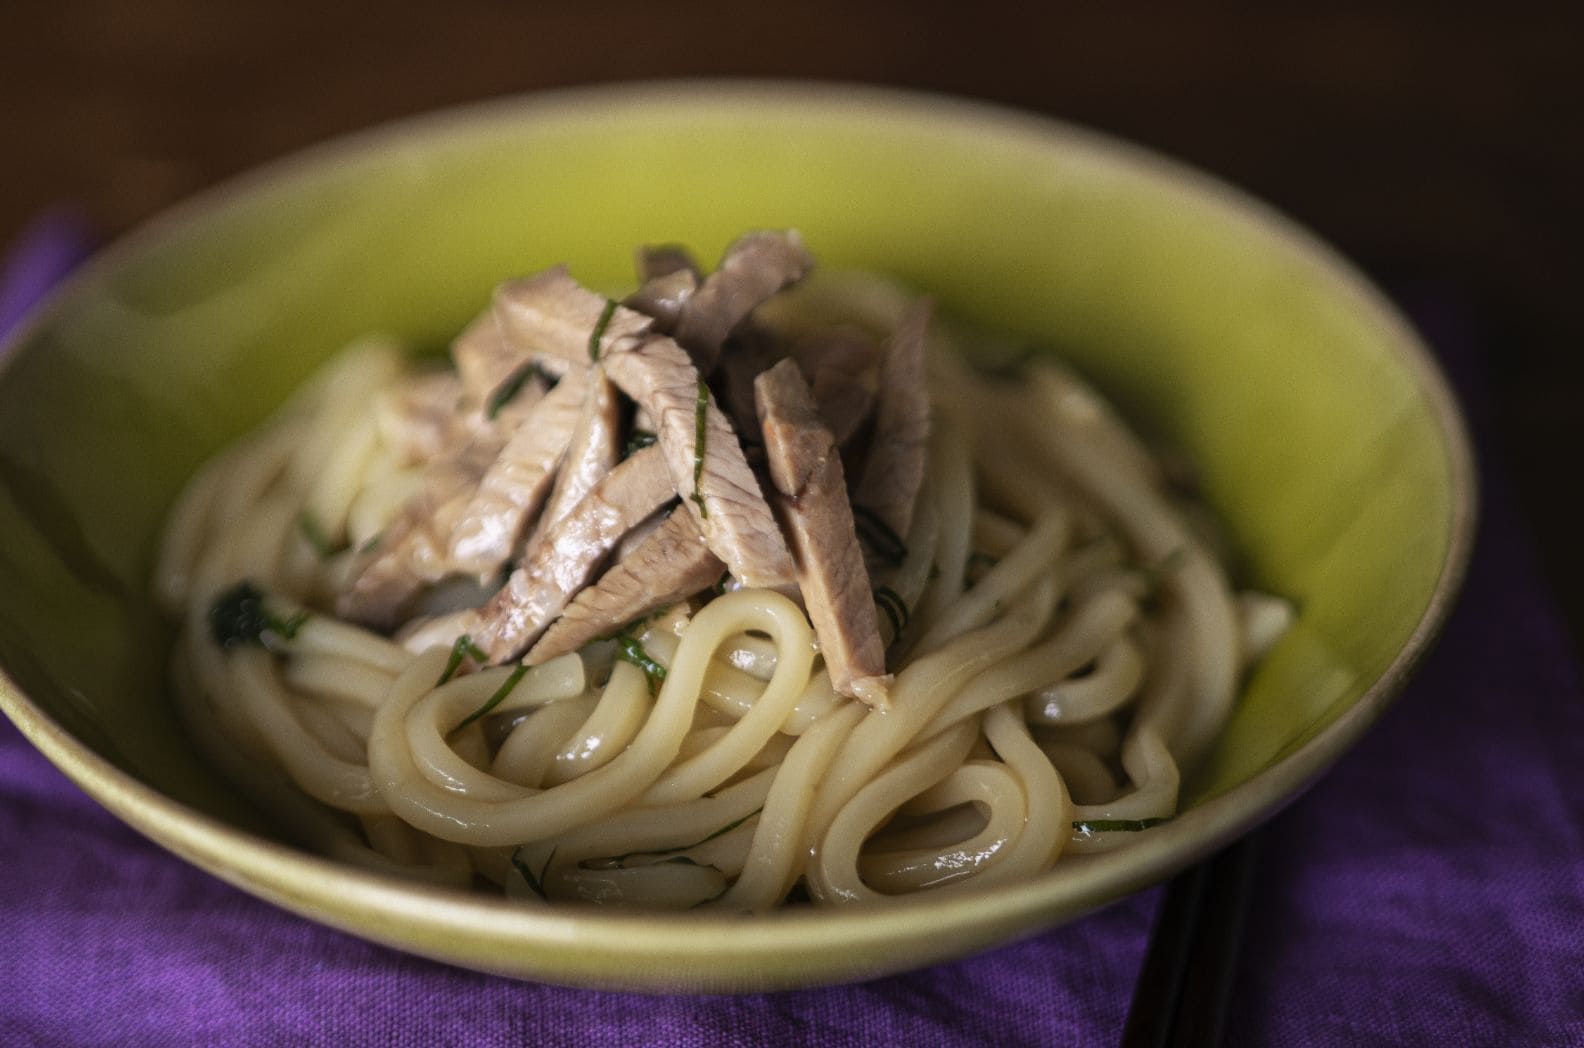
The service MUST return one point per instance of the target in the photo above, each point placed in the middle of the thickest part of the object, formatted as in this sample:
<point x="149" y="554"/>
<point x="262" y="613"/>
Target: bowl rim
<point x="299" y="881"/>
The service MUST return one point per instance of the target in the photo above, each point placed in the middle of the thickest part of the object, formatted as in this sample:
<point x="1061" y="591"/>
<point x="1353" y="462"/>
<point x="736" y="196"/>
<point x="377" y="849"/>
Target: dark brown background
<point x="1439" y="149"/>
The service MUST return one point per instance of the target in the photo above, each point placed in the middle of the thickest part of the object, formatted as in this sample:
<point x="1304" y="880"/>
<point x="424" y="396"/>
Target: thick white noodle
<point x="1070" y="649"/>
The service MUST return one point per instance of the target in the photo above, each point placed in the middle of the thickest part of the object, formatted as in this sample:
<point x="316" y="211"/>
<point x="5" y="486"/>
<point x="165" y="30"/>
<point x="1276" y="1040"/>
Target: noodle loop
<point x="1064" y="649"/>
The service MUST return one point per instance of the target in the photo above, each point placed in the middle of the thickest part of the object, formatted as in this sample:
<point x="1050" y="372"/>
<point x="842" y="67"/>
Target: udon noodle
<point x="1061" y="644"/>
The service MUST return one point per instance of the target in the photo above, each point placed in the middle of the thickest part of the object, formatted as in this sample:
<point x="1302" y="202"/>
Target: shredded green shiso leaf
<point x="878" y="536"/>
<point x="630" y="649"/>
<point x="1117" y="825"/>
<point x="239" y="616"/>
<point x="463" y="647"/>
<point x="598" y="334"/>
<point x="700" y="431"/>
<point x="496" y="699"/>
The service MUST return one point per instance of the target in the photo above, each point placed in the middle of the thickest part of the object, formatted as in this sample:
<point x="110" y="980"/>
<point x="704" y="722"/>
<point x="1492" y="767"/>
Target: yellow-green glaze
<point x="1327" y="442"/>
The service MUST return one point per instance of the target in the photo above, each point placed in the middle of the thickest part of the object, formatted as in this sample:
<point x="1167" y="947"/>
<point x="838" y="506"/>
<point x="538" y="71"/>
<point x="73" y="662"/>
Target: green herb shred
<point x="878" y="536"/>
<point x="507" y="391"/>
<point x="723" y="831"/>
<point x="1116" y="825"/>
<point x="494" y="700"/>
<point x="461" y="648"/>
<point x="238" y="616"/>
<point x="700" y="416"/>
<point x="600" y="325"/>
<point x="631" y="649"/>
<point x="535" y="884"/>
<point x="890" y="601"/>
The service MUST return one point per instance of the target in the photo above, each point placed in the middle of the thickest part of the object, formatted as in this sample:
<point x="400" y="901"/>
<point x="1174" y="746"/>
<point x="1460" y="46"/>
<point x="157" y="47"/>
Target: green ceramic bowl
<point x="1326" y="437"/>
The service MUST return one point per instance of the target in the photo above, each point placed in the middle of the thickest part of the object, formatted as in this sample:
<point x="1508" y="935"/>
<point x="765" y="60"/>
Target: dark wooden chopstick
<point x="1185" y="983"/>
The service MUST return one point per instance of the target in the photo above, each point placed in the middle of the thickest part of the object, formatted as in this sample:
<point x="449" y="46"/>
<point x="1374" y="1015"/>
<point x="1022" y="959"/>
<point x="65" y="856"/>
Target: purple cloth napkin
<point x="1430" y="890"/>
<point x="44" y="253"/>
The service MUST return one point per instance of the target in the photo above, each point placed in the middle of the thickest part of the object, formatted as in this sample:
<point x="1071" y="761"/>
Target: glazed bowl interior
<point x="1325" y="440"/>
